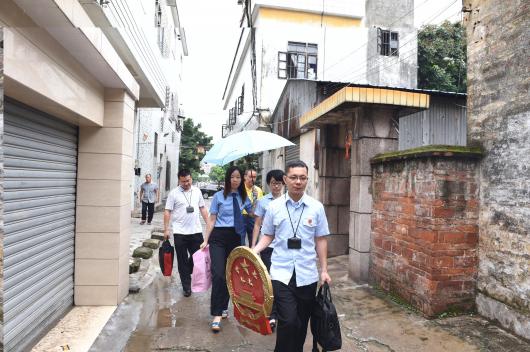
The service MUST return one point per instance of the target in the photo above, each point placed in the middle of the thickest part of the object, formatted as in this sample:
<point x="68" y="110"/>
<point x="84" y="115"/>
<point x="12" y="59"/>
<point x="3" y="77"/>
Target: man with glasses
<point x="275" y="182"/>
<point x="183" y="206"/>
<point x="297" y="223"/>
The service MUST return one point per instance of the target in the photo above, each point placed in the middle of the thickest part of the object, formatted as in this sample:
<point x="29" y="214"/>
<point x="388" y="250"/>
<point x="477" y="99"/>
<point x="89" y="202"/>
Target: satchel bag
<point x="201" y="278"/>
<point x="325" y="325"/>
<point x="166" y="255"/>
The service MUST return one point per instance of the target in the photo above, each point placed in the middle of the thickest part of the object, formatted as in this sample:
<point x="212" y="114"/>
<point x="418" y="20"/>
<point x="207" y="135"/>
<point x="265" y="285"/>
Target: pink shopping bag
<point x="201" y="278"/>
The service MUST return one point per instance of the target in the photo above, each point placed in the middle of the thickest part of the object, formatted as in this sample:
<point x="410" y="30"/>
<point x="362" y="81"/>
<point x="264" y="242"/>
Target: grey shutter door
<point x="293" y="152"/>
<point x="39" y="219"/>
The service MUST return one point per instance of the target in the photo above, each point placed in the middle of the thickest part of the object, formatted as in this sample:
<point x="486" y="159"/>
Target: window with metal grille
<point x="241" y="101"/>
<point x="168" y="175"/>
<point x="232" y="117"/>
<point x="387" y="42"/>
<point x="155" y="151"/>
<point x="300" y="61"/>
<point x="163" y="36"/>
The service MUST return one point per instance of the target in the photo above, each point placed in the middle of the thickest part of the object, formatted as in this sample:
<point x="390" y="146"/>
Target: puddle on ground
<point x="165" y="319"/>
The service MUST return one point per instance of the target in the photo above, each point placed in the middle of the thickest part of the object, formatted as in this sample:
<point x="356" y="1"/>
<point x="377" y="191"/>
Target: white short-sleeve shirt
<point x="177" y="201"/>
<point x="308" y="219"/>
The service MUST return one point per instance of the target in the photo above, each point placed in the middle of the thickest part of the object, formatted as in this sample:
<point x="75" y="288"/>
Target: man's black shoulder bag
<point x="325" y="323"/>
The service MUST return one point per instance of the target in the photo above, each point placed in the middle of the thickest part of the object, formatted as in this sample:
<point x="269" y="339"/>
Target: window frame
<point x="386" y="46"/>
<point x="296" y="61"/>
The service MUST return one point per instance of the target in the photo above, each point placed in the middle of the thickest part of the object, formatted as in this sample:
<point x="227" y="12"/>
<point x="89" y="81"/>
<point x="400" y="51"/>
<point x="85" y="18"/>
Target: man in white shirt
<point x="298" y="225"/>
<point x="182" y="207"/>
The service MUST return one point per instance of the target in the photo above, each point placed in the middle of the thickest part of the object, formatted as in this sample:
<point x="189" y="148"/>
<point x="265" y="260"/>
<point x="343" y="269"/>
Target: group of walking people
<point x="288" y="229"/>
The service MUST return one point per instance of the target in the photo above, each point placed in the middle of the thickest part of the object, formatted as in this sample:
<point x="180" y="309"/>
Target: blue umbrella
<point x="242" y="144"/>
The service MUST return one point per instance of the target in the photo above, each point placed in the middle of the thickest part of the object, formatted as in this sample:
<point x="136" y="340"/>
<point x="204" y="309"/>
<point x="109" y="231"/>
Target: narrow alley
<point x="160" y="318"/>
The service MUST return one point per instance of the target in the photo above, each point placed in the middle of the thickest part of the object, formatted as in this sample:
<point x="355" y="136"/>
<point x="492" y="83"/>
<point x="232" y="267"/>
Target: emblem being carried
<point x="250" y="289"/>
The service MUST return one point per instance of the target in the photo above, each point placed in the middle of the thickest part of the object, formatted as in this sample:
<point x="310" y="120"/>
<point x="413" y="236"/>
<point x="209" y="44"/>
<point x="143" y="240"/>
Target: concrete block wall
<point x="334" y="187"/>
<point x="499" y="121"/>
<point x="104" y="205"/>
<point x="425" y="230"/>
<point x="373" y="134"/>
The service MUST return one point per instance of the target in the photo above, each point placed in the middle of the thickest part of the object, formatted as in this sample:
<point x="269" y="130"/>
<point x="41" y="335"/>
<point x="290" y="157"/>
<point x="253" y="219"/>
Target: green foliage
<point x="217" y="174"/>
<point x="191" y="139"/>
<point x="442" y="57"/>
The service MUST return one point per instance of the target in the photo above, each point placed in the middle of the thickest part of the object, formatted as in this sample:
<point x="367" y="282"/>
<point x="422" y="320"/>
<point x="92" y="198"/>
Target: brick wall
<point x="499" y="121"/>
<point x="424" y="228"/>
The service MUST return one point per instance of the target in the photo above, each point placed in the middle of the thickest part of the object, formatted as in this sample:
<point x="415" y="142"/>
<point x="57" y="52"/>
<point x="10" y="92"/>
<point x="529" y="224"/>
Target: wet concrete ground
<point x="160" y="318"/>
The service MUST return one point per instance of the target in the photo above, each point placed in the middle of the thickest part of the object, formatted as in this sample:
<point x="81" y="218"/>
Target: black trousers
<point x="222" y="241"/>
<point x="149" y="209"/>
<point x="185" y="246"/>
<point x="266" y="255"/>
<point x="249" y="227"/>
<point x="294" y="306"/>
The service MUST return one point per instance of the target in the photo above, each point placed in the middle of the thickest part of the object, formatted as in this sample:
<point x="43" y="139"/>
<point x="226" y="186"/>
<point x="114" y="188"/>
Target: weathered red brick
<point x="452" y="237"/>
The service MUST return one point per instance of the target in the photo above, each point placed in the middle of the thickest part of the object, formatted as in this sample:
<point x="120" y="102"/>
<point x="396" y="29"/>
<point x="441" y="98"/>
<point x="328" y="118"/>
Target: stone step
<point x="134" y="265"/>
<point x="151" y="243"/>
<point x="143" y="252"/>
<point x="157" y="236"/>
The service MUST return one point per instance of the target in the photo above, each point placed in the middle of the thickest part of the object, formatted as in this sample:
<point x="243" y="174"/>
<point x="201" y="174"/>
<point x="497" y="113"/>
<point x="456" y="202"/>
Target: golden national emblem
<point x="250" y="289"/>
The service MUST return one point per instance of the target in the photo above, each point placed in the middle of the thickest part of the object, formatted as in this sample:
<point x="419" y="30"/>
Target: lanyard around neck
<point x="295" y="231"/>
<point x="185" y="197"/>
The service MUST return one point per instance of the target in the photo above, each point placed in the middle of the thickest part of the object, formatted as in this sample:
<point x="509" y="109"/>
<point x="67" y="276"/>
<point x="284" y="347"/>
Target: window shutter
<point x="282" y="64"/>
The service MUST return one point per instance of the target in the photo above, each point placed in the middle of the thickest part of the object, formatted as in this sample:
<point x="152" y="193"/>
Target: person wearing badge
<point x="225" y="231"/>
<point x="298" y="225"/>
<point x="183" y="206"/>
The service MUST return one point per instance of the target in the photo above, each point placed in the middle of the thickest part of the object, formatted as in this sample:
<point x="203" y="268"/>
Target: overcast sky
<point x="212" y="32"/>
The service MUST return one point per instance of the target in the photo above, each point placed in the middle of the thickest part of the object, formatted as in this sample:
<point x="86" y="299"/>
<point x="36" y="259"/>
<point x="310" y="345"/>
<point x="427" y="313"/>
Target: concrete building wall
<point x="334" y="185"/>
<point x="373" y="133"/>
<point x="337" y="33"/>
<point x="241" y="81"/>
<point x="150" y="120"/>
<point x="103" y="204"/>
<point x="335" y="39"/>
<point x="307" y="155"/>
<point x="51" y="76"/>
<point x="393" y="71"/>
<point x="499" y="122"/>
<point x="336" y="7"/>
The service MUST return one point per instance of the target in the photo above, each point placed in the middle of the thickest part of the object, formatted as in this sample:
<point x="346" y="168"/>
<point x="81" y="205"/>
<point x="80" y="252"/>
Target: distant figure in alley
<point x="298" y="225"/>
<point x="149" y="195"/>
<point x="183" y="206"/>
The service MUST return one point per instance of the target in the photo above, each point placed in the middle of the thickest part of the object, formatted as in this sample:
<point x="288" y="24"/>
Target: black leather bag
<point x="325" y="325"/>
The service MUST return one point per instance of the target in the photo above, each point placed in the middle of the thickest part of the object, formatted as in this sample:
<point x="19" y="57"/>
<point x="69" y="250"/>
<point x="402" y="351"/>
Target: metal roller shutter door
<point x="293" y="152"/>
<point x="39" y="218"/>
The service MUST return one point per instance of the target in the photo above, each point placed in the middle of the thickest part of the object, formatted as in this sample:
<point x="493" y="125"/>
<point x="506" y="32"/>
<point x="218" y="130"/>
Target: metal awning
<point x="355" y="96"/>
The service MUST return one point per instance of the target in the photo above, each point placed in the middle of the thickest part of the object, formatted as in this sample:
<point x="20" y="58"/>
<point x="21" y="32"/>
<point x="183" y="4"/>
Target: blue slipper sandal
<point x="215" y="326"/>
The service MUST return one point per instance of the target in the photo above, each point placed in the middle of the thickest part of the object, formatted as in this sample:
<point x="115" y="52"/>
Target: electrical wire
<point x="380" y="58"/>
<point x="366" y="43"/>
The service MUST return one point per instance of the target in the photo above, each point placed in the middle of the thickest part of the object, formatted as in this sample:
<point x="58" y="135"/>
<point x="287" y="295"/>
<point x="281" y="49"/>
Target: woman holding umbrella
<point x="224" y="232"/>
